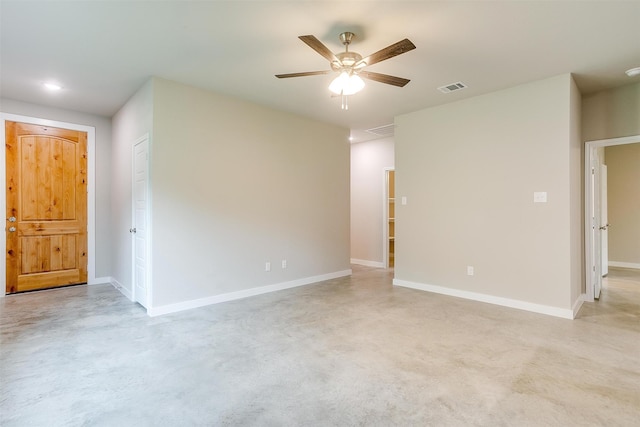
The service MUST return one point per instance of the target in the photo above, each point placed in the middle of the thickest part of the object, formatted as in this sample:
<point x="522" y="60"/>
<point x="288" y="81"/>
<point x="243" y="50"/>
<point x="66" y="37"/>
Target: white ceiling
<point x="103" y="51"/>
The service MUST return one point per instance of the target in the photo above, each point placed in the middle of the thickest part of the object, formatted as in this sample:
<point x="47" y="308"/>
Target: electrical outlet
<point x="540" y="197"/>
<point x="284" y="263"/>
<point x="469" y="270"/>
<point x="267" y="266"/>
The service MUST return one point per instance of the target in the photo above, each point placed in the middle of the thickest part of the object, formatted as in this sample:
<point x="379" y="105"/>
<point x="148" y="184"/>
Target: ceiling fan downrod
<point x="346" y="38"/>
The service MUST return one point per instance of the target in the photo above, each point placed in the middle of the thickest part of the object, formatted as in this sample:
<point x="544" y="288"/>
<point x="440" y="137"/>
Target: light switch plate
<point x="540" y="197"/>
<point x="404" y="200"/>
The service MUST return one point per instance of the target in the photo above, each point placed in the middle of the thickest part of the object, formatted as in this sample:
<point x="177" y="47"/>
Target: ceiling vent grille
<point x="386" y="130"/>
<point x="452" y="87"/>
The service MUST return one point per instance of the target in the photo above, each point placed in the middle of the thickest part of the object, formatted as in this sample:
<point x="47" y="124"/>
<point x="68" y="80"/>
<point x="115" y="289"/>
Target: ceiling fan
<point x="351" y="65"/>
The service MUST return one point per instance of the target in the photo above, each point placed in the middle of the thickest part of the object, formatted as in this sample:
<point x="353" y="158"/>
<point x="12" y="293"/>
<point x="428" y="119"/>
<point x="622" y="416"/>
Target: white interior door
<point x="596" y="247"/>
<point x="388" y="218"/>
<point x="140" y="227"/>
<point x="604" y="221"/>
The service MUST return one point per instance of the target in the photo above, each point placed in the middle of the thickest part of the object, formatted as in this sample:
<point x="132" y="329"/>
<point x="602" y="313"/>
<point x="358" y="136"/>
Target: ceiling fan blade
<point x="308" y="73"/>
<point x="388" y="52"/>
<point x="317" y="45"/>
<point x="384" y="78"/>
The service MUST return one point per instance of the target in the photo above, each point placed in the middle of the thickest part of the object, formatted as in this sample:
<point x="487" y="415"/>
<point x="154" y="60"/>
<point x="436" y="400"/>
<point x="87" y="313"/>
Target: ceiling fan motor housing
<point x="347" y="61"/>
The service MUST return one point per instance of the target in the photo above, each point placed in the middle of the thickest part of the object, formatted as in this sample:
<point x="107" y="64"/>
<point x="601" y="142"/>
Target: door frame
<point x="91" y="189"/>
<point x="147" y="245"/>
<point x="592" y="249"/>
<point x="385" y="216"/>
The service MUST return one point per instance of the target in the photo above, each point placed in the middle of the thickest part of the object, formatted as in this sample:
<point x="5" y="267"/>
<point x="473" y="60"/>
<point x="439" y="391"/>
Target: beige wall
<point x="576" y="190"/>
<point x="368" y="161"/>
<point x="623" y="166"/>
<point x="235" y="185"/>
<point x="102" y="127"/>
<point x="469" y="170"/>
<point x="134" y="120"/>
<point x="611" y="113"/>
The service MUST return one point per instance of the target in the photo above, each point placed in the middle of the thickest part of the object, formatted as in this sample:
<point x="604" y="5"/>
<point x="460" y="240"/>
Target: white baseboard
<point x="216" y="299"/>
<point x="99" y="280"/>
<point x="578" y="305"/>
<point x="367" y="263"/>
<point x="506" y="302"/>
<point x="124" y="291"/>
<point x="633" y="265"/>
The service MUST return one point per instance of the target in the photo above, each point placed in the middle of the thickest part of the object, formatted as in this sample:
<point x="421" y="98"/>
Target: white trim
<point x="631" y="265"/>
<point x="101" y="280"/>
<point x="366" y="263"/>
<point x="216" y="299"/>
<point x="589" y="244"/>
<point x="124" y="291"/>
<point x="578" y="305"/>
<point x="91" y="187"/>
<point x="505" y="302"/>
<point x="633" y="139"/>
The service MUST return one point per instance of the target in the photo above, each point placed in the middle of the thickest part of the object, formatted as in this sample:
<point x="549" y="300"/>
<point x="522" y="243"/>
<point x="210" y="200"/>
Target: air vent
<point x="386" y="130"/>
<point x="452" y="87"/>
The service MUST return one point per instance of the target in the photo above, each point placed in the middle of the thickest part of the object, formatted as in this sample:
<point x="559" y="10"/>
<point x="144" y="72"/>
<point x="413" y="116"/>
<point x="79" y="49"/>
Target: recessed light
<point x="52" y="86"/>
<point x="633" y="72"/>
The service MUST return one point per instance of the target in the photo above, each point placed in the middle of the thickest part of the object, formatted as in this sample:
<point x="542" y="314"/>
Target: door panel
<point x="47" y="196"/>
<point x="140" y="212"/>
<point x="604" y="220"/>
<point x="596" y="248"/>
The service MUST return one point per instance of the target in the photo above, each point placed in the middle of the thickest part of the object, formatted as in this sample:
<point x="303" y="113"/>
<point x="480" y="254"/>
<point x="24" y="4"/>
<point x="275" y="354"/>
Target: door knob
<point x="12" y="219"/>
<point x="12" y="229"/>
<point x="132" y="230"/>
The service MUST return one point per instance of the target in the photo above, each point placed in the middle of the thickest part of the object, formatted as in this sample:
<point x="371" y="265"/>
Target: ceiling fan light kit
<point x="350" y="65"/>
<point x="346" y="84"/>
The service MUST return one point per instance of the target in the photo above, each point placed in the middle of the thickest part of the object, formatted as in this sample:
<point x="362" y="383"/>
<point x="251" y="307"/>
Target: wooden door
<point x="46" y="224"/>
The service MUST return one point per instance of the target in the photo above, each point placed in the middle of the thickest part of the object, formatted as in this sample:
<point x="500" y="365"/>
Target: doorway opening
<point x="596" y="222"/>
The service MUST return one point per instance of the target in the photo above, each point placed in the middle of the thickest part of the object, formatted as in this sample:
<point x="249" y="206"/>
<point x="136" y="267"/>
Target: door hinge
<point x="593" y="171"/>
